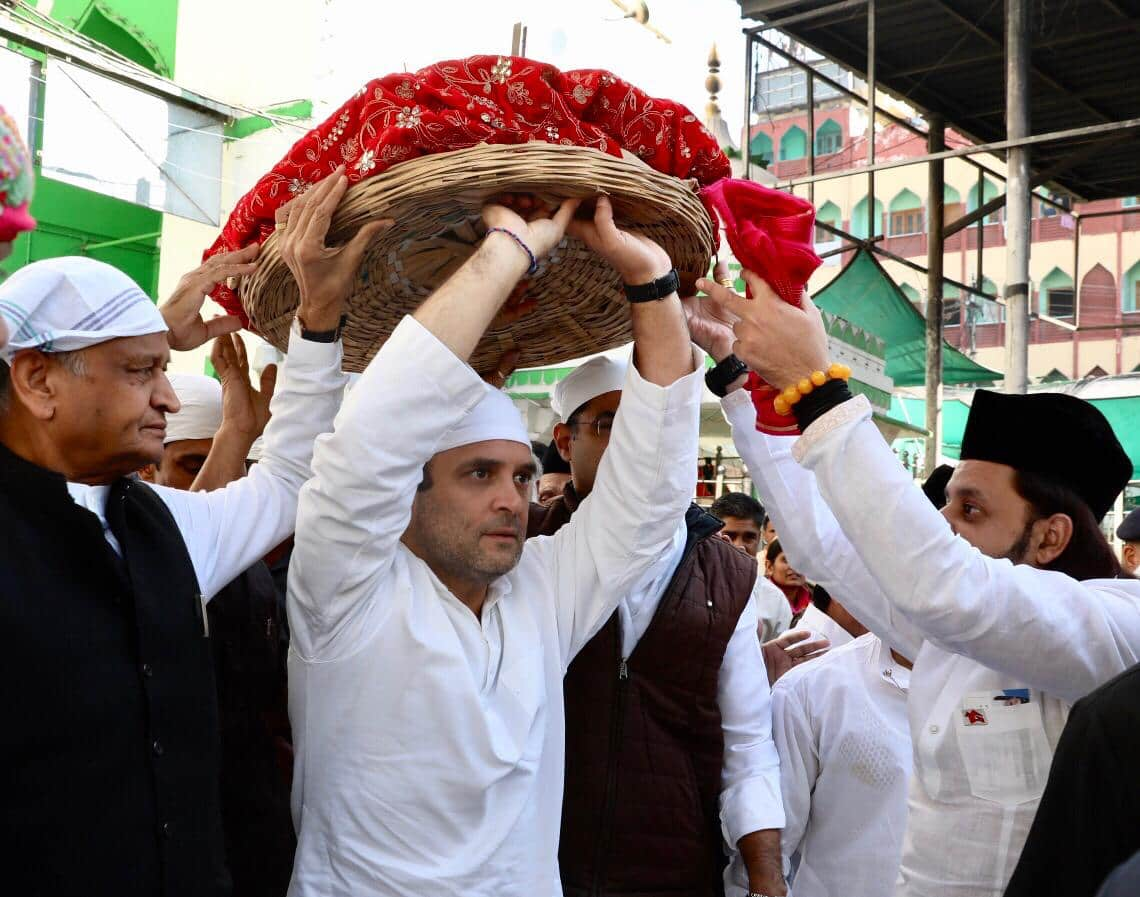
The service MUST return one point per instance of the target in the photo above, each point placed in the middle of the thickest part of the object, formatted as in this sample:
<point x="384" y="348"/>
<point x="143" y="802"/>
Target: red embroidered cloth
<point x="460" y="103"/>
<point x="771" y="233"/>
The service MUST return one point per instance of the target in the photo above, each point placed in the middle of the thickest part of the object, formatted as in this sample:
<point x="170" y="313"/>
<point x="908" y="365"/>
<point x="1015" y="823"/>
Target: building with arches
<point x="1103" y="297"/>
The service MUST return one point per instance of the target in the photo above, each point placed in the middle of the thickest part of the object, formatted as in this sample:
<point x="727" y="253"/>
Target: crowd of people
<point x="286" y="639"/>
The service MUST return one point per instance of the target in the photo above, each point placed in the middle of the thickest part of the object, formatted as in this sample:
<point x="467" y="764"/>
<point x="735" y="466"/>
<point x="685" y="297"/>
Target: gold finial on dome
<point x="712" y="85"/>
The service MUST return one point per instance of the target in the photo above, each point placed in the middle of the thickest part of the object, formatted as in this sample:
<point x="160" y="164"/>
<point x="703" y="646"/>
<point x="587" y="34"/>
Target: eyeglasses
<point x="601" y="426"/>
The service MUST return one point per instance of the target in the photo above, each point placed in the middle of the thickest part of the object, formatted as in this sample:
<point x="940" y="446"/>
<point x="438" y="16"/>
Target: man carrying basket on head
<point x="430" y="642"/>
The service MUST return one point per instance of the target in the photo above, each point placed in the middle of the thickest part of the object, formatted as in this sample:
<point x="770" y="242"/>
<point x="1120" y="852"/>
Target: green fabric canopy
<point x="1123" y="415"/>
<point x="864" y="294"/>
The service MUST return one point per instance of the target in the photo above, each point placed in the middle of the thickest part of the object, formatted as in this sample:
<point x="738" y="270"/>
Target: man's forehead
<point x="731" y="522"/>
<point x="979" y="476"/>
<point x="607" y="401"/>
<point x="153" y="347"/>
<point x="503" y="451"/>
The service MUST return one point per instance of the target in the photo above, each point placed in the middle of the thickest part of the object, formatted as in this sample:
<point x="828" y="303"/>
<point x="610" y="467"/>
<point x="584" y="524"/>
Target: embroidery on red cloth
<point x="463" y="102"/>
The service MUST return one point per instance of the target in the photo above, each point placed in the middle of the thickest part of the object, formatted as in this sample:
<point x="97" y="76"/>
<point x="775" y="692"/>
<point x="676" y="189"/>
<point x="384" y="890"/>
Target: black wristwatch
<point x="655" y="289"/>
<point x="323" y="336"/>
<point x="720" y="377"/>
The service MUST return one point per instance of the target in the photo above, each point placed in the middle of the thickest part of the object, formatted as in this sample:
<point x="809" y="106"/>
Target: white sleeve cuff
<point x="752" y="806"/>
<point x="851" y="411"/>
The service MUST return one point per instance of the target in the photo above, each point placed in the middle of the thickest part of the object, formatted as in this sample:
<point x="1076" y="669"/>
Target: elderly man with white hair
<point x="109" y="747"/>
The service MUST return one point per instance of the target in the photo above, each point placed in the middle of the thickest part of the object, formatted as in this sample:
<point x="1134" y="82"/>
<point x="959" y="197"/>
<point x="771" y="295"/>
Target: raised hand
<point x="183" y="310"/>
<point x="791" y="649"/>
<point x="245" y="410"/>
<point x="504" y="367"/>
<point x="782" y="343"/>
<point x="324" y="274"/>
<point x="710" y="326"/>
<point x="538" y="225"/>
<point x="636" y="258"/>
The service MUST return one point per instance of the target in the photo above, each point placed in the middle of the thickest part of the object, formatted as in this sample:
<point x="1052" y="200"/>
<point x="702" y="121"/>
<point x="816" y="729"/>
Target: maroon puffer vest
<point x="644" y="746"/>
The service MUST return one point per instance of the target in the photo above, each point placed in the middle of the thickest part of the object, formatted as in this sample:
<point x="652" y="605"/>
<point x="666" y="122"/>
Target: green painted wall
<point x="143" y="30"/>
<point x="70" y="218"/>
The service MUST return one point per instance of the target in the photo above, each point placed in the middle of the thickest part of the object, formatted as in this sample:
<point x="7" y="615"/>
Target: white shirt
<point x="840" y="724"/>
<point x="430" y="742"/>
<point x="977" y="627"/>
<point x="816" y="621"/>
<point x="772" y="608"/>
<point x="228" y="530"/>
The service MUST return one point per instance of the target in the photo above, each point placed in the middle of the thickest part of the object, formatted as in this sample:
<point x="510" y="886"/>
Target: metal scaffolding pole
<point x="871" y="229"/>
<point x="746" y="149"/>
<point x="1017" y="51"/>
<point x="935" y="220"/>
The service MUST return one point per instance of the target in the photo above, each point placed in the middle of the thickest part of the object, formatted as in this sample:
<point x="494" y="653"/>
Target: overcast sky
<point x="368" y="39"/>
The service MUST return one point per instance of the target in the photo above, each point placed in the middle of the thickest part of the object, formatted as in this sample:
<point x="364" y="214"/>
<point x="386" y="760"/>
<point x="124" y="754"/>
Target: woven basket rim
<point x="456" y="183"/>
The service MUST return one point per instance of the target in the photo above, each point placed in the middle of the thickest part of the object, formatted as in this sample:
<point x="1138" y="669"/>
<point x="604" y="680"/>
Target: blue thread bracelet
<point x="510" y="233"/>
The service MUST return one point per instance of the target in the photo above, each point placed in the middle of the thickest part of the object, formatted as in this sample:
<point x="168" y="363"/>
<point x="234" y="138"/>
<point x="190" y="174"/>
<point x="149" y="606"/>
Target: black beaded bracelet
<point x="819" y="401"/>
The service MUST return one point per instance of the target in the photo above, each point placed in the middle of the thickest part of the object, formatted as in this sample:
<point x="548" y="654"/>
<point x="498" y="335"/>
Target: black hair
<point x="739" y="505"/>
<point x="1088" y="554"/>
<point x="820" y="598"/>
<point x="773" y="551"/>
<point x="426" y="483"/>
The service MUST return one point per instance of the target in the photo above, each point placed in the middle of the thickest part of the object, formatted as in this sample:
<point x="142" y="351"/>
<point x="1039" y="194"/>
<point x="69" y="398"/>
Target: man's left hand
<point x="782" y="343"/>
<point x="324" y="274"/>
<point x="636" y="258"/>
<point x="183" y="310"/>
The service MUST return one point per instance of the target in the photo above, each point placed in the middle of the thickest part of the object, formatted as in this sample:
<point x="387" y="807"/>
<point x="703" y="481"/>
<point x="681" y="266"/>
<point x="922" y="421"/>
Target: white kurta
<point x="841" y="727"/>
<point x="430" y="742"/>
<point x="228" y="530"/>
<point x="984" y="634"/>
<point x="816" y="621"/>
<point x="772" y="608"/>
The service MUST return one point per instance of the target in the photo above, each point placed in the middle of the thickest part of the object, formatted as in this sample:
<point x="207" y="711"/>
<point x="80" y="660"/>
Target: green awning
<point x="864" y="294"/>
<point x="1123" y="414"/>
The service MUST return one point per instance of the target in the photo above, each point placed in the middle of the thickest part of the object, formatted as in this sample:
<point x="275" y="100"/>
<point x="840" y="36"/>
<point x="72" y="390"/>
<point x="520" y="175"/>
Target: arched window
<point x="906" y="214"/>
<point x="952" y="208"/>
<point x="793" y="145"/>
<point x="1130" y="289"/>
<point x="761" y="149"/>
<point x="859" y="219"/>
<point x="831" y="214"/>
<point x="989" y="191"/>
<point x="1055" y="295"/>
<point x="828" y="138"/>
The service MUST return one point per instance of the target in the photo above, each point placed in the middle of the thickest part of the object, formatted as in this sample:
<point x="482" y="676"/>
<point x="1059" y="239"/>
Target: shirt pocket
<point x="1004" y="747"/>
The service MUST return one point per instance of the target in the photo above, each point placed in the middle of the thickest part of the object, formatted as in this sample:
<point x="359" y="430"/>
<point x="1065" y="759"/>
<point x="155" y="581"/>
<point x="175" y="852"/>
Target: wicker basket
<point x="436" y="201"/>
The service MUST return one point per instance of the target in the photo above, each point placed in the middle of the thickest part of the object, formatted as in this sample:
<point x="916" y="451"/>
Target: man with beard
<point x="428" y="644"/>
<point x="1008" y="601"/>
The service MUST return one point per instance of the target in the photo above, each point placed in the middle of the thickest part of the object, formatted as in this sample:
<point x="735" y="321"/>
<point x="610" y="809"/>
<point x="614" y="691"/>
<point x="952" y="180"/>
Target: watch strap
<point x="720" y="376"/>
<point x="655" y="289"/>
<point x="322" y="336"/>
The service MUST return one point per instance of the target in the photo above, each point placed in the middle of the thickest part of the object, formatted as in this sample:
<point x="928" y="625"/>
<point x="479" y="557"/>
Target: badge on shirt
<point x="979" y="709"/>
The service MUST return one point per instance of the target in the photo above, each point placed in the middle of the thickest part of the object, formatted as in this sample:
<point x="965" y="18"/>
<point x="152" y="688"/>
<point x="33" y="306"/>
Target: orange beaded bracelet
<point x="784" y="401"/>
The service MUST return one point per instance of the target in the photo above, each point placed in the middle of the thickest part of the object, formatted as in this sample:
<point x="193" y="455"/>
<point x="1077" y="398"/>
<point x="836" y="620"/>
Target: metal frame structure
<point x="1020" y="182"/>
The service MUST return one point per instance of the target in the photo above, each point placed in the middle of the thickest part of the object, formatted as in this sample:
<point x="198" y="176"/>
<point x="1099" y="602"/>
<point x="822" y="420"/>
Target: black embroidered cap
<point x="1053" y="435"/>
